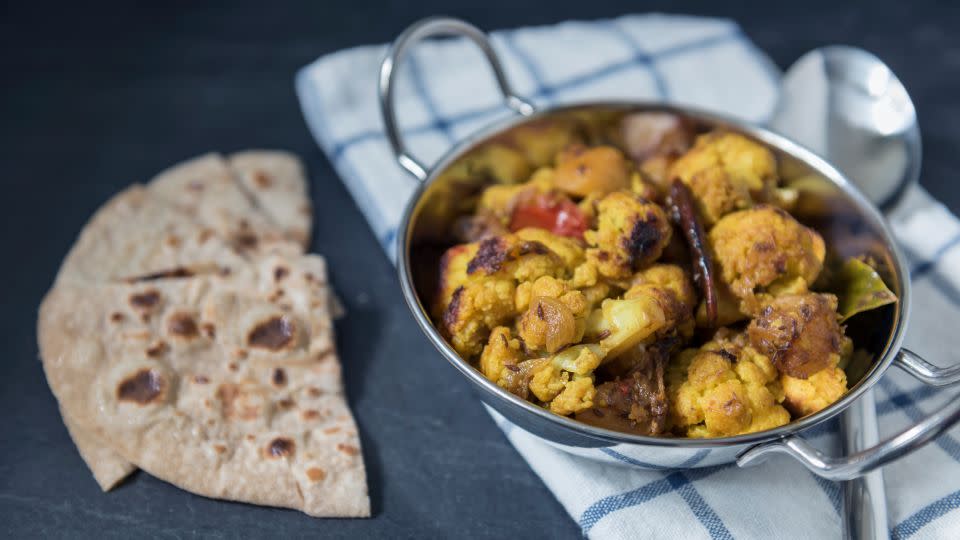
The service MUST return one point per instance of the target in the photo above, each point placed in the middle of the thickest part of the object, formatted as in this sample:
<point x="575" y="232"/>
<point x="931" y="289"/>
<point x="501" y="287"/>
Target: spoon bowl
<point x="845" y="104"/>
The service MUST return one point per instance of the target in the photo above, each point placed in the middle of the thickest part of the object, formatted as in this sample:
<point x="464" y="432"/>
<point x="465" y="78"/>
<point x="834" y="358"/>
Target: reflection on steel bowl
<point x="670" y="284"/>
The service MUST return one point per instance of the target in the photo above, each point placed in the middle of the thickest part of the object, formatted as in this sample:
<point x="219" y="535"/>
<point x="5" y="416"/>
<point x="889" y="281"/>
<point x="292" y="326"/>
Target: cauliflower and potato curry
<point x="662" y="289"/>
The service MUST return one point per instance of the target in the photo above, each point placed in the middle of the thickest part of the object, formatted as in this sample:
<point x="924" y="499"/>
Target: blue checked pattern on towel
<point x="446" y="92"/>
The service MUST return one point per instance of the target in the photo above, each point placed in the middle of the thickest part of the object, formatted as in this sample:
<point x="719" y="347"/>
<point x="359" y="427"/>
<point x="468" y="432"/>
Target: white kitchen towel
<point x="445" y="92"/>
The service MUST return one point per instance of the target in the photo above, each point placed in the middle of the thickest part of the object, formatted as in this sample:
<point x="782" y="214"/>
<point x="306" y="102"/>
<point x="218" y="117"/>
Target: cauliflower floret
<point x="723" y="170"/>
<point x="543" y="286"/>
<point x="585" y="275"/>
<point x="761" y="247"/>
<point x="478" y="286"/>
<point x="816" y="392"/>
<point x="723" y="390"/>
<point x="566" y="381"/>
<point x="582" y="171"/>
<point x="799" y="333"/>
<point x="669" y="285"/>
<point x="474" y="309"/>
<point x="808" y="395"/>
<point x="630" y="234"/>
<point x="453" y="274"/>
<point x="669" y="277"/>
<point x="502" y="350"/>
<point x="569" y="250"/>
<point x="577" y="395"/>
<point x="620" y="324"/>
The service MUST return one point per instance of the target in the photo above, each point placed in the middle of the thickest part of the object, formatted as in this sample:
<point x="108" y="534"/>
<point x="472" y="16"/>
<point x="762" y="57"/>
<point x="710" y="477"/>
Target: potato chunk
<point x="500" y="356"/>
<point x="799" y="333"/>
<point x="565" y="382"/>
<point x="583" y="171"/>
<point x="549" y="324"/>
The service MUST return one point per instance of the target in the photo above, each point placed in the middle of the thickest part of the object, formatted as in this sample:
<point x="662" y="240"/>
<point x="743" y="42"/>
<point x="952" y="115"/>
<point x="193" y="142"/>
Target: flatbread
<point x="205" y="189"/>
<point x="193" y="220"/>
<point x="138" y="236"/>
<point x="225" y="385"/>
<point x="108" y="467"/>
<point x="276" y="183"/>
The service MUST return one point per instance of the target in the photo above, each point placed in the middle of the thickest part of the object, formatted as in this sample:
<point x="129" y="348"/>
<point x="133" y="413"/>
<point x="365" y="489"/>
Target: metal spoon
<point x="847" y="105"/>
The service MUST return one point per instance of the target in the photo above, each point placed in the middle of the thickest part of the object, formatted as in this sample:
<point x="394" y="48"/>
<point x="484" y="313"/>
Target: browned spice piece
<point x="684" y="214"/>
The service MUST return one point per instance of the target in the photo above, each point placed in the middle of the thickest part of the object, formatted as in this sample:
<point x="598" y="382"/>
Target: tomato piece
<point x="555" y="213"/>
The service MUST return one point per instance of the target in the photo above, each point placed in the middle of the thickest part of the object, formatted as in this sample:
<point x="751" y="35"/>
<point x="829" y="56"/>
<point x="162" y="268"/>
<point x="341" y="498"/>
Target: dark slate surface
<point x="94" y="99"/>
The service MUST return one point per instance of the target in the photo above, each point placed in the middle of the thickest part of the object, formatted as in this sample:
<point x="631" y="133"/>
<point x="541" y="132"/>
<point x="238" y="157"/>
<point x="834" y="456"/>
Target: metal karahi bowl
<point x="828" y="202"/>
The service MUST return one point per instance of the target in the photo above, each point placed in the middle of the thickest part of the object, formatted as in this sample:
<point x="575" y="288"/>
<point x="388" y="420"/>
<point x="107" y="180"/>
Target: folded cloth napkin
<point x="446" y="92"/>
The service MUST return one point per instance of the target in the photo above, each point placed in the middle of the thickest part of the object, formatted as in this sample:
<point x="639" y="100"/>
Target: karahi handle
<point x="864" y="461"/>
<point x="417" y="32"/>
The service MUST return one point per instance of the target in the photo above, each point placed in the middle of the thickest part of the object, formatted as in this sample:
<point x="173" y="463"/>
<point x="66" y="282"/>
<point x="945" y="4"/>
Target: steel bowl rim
<point x="771" y="138"/>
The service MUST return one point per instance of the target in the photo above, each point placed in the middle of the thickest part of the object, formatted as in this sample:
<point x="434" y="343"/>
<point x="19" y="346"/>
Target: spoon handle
<point x="865" y="502"/>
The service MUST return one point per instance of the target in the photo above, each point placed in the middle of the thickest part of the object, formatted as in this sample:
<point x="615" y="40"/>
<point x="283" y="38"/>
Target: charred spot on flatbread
<point x="145" y="301"/>
<point x="144" y="387"/>
<point x="183" y="325"/>
<point x="274" y="334"/>
<point x="281" y="447"/>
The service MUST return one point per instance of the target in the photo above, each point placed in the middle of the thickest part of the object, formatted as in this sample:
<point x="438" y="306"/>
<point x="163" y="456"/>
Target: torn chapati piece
<point x="206" y="361"/>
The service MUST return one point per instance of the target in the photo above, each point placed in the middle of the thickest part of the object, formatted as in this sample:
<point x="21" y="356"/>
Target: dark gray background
<point x="95" y="98"/>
